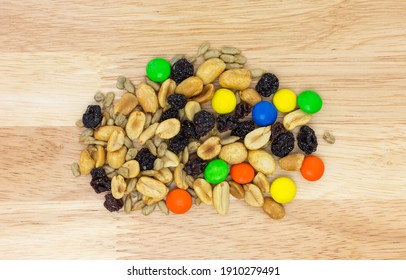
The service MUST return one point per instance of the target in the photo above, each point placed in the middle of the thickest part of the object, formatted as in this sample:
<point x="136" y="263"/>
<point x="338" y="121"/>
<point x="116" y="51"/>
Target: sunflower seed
<point x="157" y="140"/>
<point x="151" y="147"/>
<point x="131" y="185"/>
<point x="230" y="50"/>
<point x="75" y="169"/>
<point x="128" y="85"/>
<point x="176" y="58"/>
<point x="211" y="53"/>
<point x="158" y="164"/>
<point x="198" y="201"/>
<point x="79" y="123"/>
<point x="128" y="143"/>
<point x="162" y="149"/>
<point x="192" y="193"/>
<point x="110" y="122"/>
<point x="104" y="121"/>
<point x="162" y="206"/>
<point x="157" y="116"/>
<point x="191" y="58"/>
<point x="227" y="58"/>
<point x="120" y="82"/>
<point x="138" y="205"/>
<point x="329" y="138"/>
<point x="185" y="155"/>
<point x="123" y="171"/>
<point x="99" y="96"/>
<point x="256" y="73"/>
<point x="203" y="48"/>
<point x="233" y="66"/>
<point x="148" y="119"/>
<point x="108" y="99"/>
<point x="154" y="85"/>
<point x="148" y="209"/>
<point x="128" y="203"/>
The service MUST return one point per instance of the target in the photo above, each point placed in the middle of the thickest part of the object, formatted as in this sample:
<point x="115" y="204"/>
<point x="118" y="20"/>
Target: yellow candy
<point x="285" y="100"/>
<point x="224" y="101"/>
<point x="283" y="190"/>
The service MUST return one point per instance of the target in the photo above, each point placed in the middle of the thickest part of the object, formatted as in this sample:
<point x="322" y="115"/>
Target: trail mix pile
<point x="157" y="146"/>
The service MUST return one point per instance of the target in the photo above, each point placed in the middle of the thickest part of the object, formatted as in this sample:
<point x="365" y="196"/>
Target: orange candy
<point x="242" y="173"/>
<point x="312" y="168"/>
<point x="179" y="201"/>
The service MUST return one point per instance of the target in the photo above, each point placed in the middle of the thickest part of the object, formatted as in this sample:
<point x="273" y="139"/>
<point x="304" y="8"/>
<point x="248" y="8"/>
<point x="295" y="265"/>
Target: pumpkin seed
<point x="239" y="58"/>
<point x="227" y="58"/>
<point x="233" y="66"/>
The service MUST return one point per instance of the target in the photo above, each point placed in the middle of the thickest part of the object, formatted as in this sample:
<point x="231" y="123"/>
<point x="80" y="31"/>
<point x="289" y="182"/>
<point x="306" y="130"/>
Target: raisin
<point x="283" y="144"/>
<point x="267" y="85"/>
<point x="187" y="129"/>
<point x="243" y="128"/>
<point x="169" y="114"/>
<point x="177" y="101"/>
<point x="195" y="165"/>
<point x="100" y="182"/>
<point x="226" y="122"/>
<point x="242" y="110"/>
<point x="307" y="140"/>
<point x="276" y="129"/>
<point x="92" y="117"/>
<point x="178" y="143"/>
<point x="111" y="203"/>
<point x="181" y="70"/>
<point x="146" y="159"/>
<point x="204" y="122"/>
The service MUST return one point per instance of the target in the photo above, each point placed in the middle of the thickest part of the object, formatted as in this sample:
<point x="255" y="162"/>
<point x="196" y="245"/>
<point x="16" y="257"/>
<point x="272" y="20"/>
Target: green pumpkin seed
<point x="227" y="58"/>
<point x="147" y="210"/>
<point x="75" y="169"/>
<point x="230" y="50"/>
<point x="211" y="54"/>
<point x="204" y="47"/>
<point x="162" y="206"/>
<point x="128" y="85"/>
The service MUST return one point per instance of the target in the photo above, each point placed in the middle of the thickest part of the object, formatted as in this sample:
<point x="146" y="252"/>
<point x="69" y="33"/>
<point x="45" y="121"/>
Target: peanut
<point x="295" y="119"/>
<point x="262" y="161"/>
<point x="209" y="70"/>
<point x="126" y="104"/>
<point x="238" y="79"/>
<point x="147" y="98"/>
<point x="190" y="87"/>
<point x="292" y="162"/>
<point x="221" y="198"/>
<point x="233" y="153"/>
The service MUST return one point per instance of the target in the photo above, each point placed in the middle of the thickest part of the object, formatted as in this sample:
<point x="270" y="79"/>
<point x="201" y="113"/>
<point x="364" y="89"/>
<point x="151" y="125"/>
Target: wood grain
<point x="55" y="55"/>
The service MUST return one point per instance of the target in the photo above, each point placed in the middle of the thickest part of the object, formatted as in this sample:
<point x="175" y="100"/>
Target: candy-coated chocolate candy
<point x="242" y="173"/>
<point x="158" y="69"/>
<point x="285" y="100"/>
<point x="283" y="190"/>
<point x="224" y="101"/>
<point x="179" y="201"/>
<point x="309" y="101"/>
<point x="264" y="113"/>
<point x="312" y="168"/>
<point x="216" y="171"/>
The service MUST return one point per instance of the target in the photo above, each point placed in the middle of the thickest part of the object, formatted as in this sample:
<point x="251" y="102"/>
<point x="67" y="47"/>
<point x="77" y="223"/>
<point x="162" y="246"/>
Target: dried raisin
<point x="112" y="204"/>
<point x="169" y="114"/>
<point x="242" y="110"/>
<point x="100" y="182"/>
<point x="187" y="129"/>
<point x="267" y="85"/>
<point x="178" y="143"/>
<point x="177" y="101"/>
<point x="181" y="70"/>
<point x="307" y="140"/>
<point x="204" y="122"/>
<point x="195" y="165"/>
<point x="145" y="158"/>
<point x="283" y="144"/>
<point x="226" y="122"/>
<point x="243" y="128"/>
<point x="92" y="117"/>
<point x="276" y="129"/>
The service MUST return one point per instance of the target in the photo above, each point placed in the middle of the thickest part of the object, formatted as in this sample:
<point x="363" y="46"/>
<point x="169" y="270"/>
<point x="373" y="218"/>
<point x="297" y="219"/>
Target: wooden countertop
<point x="55" y="56"/>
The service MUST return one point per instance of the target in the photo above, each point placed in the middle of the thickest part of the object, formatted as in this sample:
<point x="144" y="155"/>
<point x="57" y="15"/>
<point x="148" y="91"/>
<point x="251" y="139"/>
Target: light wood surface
<point x="54" y="55"/>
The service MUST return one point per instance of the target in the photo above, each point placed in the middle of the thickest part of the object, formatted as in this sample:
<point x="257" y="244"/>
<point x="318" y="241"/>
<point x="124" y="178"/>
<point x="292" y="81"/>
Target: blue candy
<point x="264" y="113"/>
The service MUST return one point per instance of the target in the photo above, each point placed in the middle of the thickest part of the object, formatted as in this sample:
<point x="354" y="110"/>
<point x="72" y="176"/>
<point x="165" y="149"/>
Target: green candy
<point x="309" y="101"/>
<point x="158" y="69"/>
<point x="216" y="171"/>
